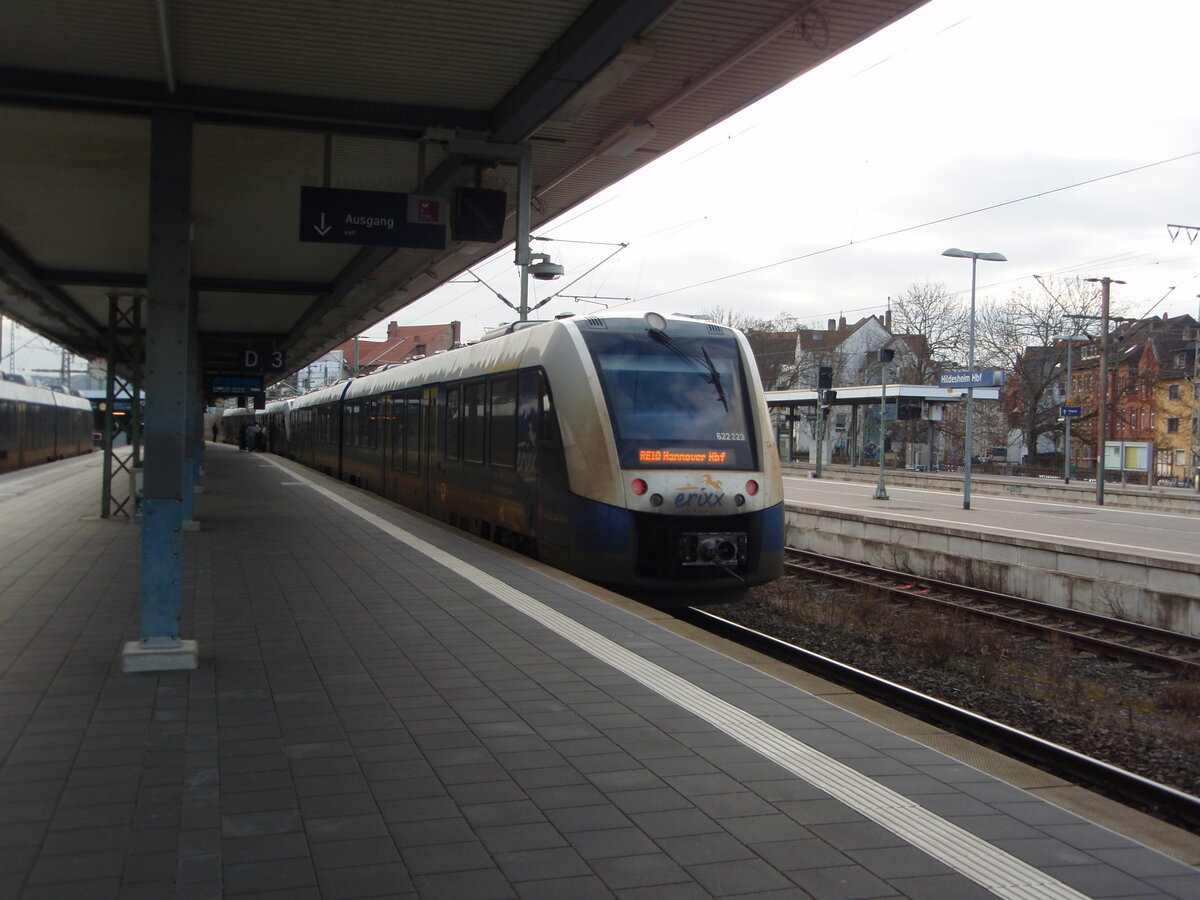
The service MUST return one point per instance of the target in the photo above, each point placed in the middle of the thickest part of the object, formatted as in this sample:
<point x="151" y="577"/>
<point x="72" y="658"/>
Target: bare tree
<point x="929" y="310"/>
<point x="1017" y="335"/>
<point x="746" y="322"/>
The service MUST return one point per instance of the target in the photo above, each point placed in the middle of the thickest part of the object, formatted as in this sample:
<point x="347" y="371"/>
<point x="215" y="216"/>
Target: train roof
<point x="32" y="393"/>
<point x="499" y="351"/>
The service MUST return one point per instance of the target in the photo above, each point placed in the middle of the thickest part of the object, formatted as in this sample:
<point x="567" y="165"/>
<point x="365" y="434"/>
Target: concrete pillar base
<point x="137" y="658"/>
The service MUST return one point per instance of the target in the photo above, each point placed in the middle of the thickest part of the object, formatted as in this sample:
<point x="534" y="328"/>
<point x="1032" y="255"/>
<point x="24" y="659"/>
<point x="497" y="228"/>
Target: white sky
<point x="814" y="202"/>
<point x="961" y="106"/>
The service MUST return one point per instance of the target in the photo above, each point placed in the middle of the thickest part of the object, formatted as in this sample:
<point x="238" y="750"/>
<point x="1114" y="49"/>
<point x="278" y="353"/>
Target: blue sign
<point x="969" y="379"/>
<point x="380" y="218"/>
<point x="235" y="385"/>
<point x="1069" y="412"/>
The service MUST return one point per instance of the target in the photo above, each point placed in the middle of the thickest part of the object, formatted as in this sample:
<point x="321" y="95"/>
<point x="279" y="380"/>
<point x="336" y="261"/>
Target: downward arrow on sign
<point x="322" y="229"/>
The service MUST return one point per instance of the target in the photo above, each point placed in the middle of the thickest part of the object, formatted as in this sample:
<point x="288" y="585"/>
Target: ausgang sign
<point x="982" y="378"/>
<point x="340" y="216"/>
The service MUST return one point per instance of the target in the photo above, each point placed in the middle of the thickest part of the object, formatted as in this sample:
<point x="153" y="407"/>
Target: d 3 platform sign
<point x="381" y="218"/>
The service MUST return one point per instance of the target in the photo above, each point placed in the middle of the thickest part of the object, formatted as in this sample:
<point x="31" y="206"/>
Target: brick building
<point x="401" y="344"/>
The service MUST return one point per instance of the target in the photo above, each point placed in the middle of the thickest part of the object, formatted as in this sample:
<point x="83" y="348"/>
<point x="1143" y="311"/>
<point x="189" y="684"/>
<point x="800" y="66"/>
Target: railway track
<point x="1161" y="800"/>
<point x="1129" y="642"/>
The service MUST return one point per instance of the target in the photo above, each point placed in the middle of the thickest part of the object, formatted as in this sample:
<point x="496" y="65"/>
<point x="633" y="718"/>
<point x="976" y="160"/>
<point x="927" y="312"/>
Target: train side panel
<point x="40" y="425"/>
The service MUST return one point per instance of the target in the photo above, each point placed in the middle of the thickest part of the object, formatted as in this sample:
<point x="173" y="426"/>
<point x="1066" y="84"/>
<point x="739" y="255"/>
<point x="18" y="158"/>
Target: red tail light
<point x="751" y="487"/>
<point x="638" y="486"/>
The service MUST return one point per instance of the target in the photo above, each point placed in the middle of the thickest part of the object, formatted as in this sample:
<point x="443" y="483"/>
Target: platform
<point x="387" y="708"/>
<point x="1022" y="539"/>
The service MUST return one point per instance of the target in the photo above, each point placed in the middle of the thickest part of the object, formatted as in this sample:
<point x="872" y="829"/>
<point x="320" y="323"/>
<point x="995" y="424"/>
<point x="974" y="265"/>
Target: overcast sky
<point x="845" y="186"/>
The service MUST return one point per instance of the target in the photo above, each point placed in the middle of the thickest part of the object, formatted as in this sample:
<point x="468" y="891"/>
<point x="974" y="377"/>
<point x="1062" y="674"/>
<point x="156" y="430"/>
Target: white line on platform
<point x="956" y="495"/>
<point x="971" y="856"/>
<point x="1155" y="552"/>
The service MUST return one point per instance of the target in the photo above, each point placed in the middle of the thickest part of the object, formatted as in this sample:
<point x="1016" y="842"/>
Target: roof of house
<point x="401" y="344"/>
<point x="830" y="338"/>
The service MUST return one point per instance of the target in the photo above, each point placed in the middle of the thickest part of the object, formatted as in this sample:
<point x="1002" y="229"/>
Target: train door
<point x="428" y="461"/>
<point x="385" y="433"/>
<point x="395" y="452"/>
<point x="543" y="468"/>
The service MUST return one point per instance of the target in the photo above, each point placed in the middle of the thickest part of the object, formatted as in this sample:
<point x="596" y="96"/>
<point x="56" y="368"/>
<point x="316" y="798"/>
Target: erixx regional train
<point x="39" y="425"/>
<point x="633" y="451"/>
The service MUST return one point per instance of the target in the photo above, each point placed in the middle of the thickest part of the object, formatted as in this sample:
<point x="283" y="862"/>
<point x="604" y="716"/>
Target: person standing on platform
<point x="216" y="432"/>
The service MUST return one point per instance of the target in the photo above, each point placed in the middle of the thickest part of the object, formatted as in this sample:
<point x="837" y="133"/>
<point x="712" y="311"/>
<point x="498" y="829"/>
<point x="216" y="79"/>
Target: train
<point x="634" y="451"/>
<point x="39" y="425"/>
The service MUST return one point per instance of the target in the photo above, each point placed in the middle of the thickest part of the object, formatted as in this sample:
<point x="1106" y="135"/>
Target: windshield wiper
<point x="715" y="380"/>
<point x="705" y="369"/>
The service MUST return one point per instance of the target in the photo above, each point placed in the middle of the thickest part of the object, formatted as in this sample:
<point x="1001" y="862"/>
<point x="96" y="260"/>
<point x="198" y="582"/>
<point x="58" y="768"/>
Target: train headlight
<point x="655" y="321"/>
<point x="638" y="486"/>
<point x="739" y="500"/>
<point x="656" y="500"/>
<point x="751" y="487"/>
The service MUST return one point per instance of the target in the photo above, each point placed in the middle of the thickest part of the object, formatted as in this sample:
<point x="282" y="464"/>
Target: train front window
<point x="677" y="399"/>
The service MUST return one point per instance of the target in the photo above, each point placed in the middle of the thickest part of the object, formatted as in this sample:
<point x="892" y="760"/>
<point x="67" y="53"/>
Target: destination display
<point x="235" y="385"/>
<point x="678" y="457"/>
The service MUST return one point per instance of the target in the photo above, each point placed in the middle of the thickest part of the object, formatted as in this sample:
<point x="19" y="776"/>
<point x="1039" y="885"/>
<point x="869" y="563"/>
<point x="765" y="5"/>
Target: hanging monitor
<point x="478" y="215"/>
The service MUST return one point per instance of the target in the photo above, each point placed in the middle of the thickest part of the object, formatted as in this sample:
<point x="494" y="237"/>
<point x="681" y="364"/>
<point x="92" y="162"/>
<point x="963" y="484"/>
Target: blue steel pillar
<point x="167" y="390"/>
<point x="192" y="431"/>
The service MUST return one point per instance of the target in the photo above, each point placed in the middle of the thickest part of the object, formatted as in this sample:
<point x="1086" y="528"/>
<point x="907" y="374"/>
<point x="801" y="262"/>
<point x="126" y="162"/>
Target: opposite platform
<point x="385" y="708"/>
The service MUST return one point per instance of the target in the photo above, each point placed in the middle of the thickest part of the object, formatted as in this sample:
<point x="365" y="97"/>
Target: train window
<point x="473" y="419"/>
<point x="676" y="400"/>
<point x="503" y="422"/>
<point x="412" y="430"/>
<point x="453" y="420"/>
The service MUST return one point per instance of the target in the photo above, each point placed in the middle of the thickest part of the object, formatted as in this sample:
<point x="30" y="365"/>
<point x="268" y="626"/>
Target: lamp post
<point x="1070" y="339"/>
<point x="886" y="355"/>
<point x="974" y="257"/>
<point x="1102" y="411"/>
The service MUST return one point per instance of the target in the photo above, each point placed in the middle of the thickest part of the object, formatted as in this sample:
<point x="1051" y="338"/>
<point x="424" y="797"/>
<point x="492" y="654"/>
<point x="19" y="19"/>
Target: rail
<point x="1132" y="642"/>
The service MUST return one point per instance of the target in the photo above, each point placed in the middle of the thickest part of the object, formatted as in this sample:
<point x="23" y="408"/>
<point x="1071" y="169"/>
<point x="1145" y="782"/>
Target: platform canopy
<point x="418" y="97"/>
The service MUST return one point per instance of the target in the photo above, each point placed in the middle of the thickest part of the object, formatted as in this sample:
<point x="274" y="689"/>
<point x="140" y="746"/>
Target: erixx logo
<point x="710" y="494"/>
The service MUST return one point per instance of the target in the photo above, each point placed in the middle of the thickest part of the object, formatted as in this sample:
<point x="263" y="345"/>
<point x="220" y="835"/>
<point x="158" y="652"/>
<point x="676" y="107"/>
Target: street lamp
<point x="1070" y="339"/>
<point x="974" y="257"/>
<point x="886" y="355"/>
